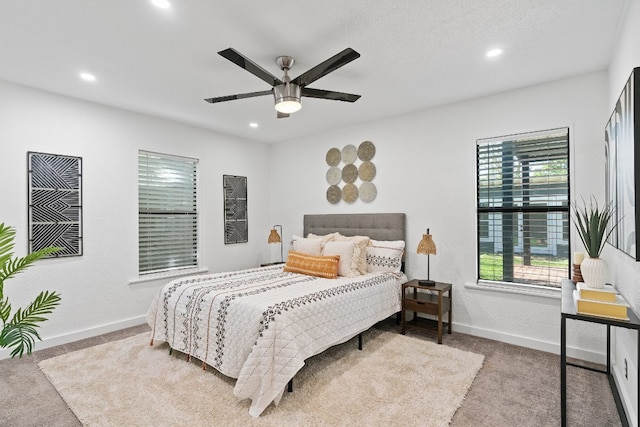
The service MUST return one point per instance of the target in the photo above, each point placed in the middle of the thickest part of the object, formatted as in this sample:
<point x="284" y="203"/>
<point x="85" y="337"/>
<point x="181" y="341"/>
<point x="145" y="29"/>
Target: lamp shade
<point x="274" y="237"/>
<point x="427" y="245"/>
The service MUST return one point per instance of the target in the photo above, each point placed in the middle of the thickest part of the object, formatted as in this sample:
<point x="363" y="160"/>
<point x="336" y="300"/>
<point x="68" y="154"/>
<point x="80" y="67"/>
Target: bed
<point x="259" y="325"/>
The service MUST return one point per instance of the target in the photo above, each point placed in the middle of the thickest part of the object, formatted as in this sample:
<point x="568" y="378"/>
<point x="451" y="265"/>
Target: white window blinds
<point x="167" y="212"/>
<point x="523" y="208"/>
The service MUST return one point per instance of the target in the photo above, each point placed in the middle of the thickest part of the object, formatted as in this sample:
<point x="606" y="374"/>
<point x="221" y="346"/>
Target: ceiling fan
<point x="287" y="92"/>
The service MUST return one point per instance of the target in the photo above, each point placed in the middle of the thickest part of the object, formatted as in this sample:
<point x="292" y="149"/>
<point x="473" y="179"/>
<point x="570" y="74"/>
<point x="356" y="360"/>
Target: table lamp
<point x="274" y="237"/>
<point x="427" y="247"/>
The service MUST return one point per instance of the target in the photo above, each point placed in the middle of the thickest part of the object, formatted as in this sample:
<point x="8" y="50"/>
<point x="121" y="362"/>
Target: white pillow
<point x="391" y="244"/>
<point x="385" y="255"/>
<point x="295" y="237"/>
<point x="306" y="246"/>
<point x="347" y="265"/>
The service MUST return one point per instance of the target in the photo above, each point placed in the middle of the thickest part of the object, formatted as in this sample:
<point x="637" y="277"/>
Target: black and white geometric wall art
<point x="55" y="203"/>
<point x="622" y="145"/>
<point x="236" y="228"/>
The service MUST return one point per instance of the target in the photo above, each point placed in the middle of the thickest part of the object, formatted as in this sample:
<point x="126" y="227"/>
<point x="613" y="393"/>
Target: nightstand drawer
<point x="427" y="305"/>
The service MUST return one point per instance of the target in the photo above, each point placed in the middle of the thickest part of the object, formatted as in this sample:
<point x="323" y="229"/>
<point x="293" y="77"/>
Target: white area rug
<point x="394" y="380"/>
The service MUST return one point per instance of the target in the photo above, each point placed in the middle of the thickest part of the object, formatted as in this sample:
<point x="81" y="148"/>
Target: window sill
<point x="532" y="290"/>
<point x="168" y="275"/>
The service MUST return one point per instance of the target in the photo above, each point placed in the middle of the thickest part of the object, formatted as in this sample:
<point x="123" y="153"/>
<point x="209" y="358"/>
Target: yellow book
<point x="608" y="293"/>
<point x="616" y="310"/>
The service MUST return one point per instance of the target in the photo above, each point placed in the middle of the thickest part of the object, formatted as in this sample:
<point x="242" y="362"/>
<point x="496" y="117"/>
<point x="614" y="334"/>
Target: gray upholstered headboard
<point x="378" y="226"/>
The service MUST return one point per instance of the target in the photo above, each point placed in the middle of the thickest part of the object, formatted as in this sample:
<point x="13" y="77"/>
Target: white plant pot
<point x="594" y="272"/>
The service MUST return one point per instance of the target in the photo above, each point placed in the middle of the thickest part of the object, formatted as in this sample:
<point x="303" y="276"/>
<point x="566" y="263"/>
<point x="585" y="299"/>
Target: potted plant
<point x="19" y="331"/>
<point x="592" y="223"/>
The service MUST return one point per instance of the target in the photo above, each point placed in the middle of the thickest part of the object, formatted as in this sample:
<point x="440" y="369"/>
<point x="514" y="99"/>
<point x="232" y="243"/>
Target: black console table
<point x="569" y="312"/>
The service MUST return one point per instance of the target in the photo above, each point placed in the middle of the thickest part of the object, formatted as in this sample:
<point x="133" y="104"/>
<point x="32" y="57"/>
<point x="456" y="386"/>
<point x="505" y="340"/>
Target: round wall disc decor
<point x="333" y="157"/>
<point x="352" y="167"/>
<point x="350" y="174"/>
<point x="366" y="151"/>
<point x="334" y="175"/>
<point x="334" y="194"/>
<point x="368" y="191"/>
<point x="367" y="171"/>
<point x="349" y="154"/>
<point x="350" y="193"/>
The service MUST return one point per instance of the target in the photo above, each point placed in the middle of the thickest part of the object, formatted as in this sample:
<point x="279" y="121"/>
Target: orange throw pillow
<point x="313" y="265"/>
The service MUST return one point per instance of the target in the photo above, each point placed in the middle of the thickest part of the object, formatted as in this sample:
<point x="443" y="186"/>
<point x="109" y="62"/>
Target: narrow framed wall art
<point x="236" y="228"/>
<point x="622" y="145"/>
<point x="55" y="203"/>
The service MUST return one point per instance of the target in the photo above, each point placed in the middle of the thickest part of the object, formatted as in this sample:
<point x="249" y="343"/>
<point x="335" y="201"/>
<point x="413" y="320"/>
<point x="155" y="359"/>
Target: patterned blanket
<point x="259" y="325"/>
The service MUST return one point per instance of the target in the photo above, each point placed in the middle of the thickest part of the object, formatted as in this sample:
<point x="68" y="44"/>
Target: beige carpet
<point x="394" y="380"/>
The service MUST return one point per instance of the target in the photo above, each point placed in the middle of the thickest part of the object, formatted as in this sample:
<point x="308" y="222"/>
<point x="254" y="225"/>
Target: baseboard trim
<point x="81" y="334"/>
<point x="549" y="347"/>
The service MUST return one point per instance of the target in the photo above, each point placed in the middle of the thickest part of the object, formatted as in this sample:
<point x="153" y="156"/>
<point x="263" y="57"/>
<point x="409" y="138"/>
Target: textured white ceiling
<point x="415" y="54"/>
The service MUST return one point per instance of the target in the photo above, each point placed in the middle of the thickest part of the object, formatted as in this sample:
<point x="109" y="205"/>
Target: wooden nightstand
<point x="428" y="300"/>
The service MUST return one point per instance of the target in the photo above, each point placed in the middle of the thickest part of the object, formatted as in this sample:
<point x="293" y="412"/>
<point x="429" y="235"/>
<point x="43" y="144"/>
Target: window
<point x="483" y="225"/>
<point x="167" y="212"/>
<point x="523" y="208"/>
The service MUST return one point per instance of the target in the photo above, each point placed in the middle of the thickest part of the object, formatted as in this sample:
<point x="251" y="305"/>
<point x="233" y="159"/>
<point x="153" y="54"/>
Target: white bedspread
<point x="260" y="325"/>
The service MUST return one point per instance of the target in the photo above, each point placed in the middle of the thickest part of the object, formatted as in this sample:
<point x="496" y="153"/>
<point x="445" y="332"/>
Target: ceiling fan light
<point x="288" y="107"/>
<point x="287" y="98"/>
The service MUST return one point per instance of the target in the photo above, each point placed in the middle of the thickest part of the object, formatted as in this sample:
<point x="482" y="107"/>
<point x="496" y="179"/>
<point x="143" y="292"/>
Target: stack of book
<point x="604" y="302"/>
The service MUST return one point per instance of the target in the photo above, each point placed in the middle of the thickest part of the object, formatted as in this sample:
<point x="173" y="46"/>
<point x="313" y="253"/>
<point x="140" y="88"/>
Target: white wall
<point x="625" y="270"/>
<point x="426" y="168"/>
<point x="96" y="292"/>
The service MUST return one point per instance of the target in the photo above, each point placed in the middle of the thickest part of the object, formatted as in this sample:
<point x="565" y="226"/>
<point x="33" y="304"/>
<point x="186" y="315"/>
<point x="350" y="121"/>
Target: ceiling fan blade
<point x="326" y="94"/>
<point x="239" y="96"/>
<point x="244" y="62"/>
<point x="331" y="64"/>
<point x="281" y="115"/>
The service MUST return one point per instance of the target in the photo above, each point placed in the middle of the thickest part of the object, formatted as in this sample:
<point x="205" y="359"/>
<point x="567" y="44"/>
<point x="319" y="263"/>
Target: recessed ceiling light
<point x="253" y="125"/>
<point x="161" y="4"/>
<point x="493" y="53"/>
<point x="88" y="77"/>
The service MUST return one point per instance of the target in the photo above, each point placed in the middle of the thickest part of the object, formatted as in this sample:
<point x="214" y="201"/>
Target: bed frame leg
<point x="290" y="386"/>
<point x="359" y="341"/>
<point x="170" y="351"/>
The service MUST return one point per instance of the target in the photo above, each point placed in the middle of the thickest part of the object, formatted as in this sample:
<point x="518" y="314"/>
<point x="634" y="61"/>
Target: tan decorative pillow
<point x="359" y="251"/>
<point x="347" y="265"/>
<point x="326" y="238"/>
<point x="320" y="266"/>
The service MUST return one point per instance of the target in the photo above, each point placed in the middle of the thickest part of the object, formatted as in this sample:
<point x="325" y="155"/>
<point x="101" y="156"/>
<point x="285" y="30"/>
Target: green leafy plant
<point x="592" y="223"/>
<point x="20" y="331"/>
